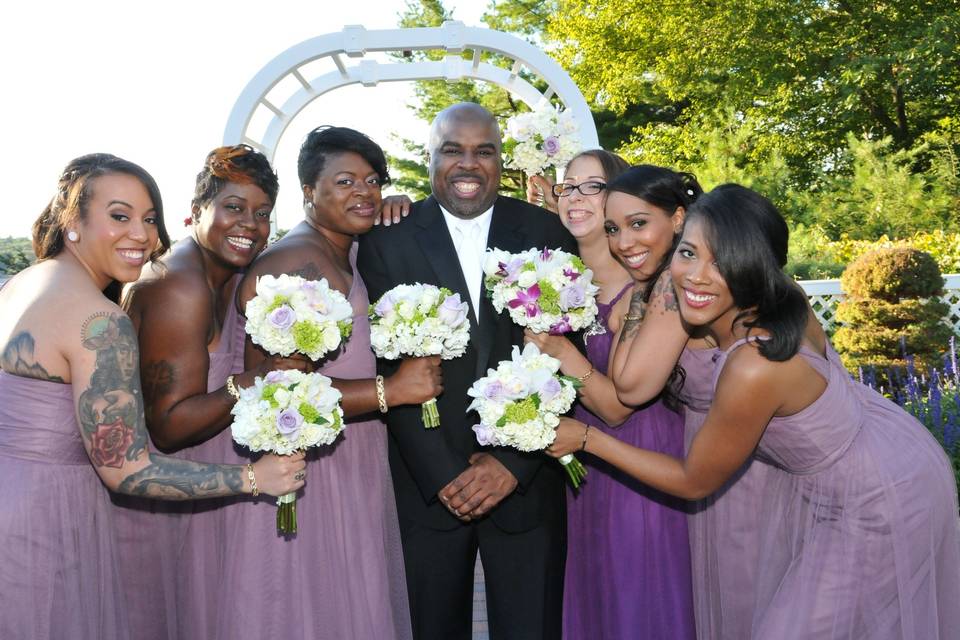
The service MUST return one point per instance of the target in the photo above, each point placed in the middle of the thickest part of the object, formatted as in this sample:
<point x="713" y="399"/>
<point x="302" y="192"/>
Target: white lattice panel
<point x="824" y="296"/>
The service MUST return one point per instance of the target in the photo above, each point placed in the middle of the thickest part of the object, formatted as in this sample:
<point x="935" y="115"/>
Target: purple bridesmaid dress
<point x="723" y="553"/>
<point x="859" y="536"/>
<point x="58" y="556"/>
<point x="628" y="562"/>
<point x="342" y="575"/>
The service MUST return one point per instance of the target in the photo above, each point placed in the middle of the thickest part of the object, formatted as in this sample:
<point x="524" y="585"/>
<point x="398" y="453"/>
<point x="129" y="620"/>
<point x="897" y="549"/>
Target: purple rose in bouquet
<point x="288" y="423"/>
<point x="282" y="317"/>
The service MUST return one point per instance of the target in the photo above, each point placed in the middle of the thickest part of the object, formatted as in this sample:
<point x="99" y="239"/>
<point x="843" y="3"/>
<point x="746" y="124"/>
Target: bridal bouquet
<point x="520" y="403"/>
<point x="290" y="314"/>
<point x="284" y="412"/>
<point x="545" y="290"/>
<point x="541" y="139"/>
<point x="418" y="320"/>
<point x="289" y="410"/>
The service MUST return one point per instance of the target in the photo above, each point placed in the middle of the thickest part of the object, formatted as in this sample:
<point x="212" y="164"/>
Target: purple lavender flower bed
<point x="932" y="397"/>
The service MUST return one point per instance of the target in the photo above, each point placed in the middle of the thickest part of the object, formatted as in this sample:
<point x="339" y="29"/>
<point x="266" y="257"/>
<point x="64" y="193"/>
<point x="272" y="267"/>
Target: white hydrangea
<point x="520" y="402"/>
<point x="541" y="139"/>
<point x="419" y="320"/>
<point x="287" y="411"/>
<point x="290" y="314"/>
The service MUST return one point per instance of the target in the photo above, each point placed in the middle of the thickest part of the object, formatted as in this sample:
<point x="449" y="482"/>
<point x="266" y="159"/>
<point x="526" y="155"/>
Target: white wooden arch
<point x="355" y="42"/>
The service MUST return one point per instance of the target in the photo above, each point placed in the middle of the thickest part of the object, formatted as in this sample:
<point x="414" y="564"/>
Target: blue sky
<point x="154" y="83"/>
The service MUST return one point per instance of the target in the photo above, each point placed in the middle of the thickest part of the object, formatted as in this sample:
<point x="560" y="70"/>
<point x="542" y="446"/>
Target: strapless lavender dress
<point x="59" y="575"/>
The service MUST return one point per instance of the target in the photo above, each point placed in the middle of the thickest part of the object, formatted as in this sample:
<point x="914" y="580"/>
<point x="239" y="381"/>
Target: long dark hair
<point x="663" y="188"/>
<point x="748" y="238"/>
<point x="74" y="189"/>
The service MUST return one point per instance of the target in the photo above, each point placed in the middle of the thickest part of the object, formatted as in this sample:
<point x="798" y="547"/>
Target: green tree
<point x="805" y="72"/>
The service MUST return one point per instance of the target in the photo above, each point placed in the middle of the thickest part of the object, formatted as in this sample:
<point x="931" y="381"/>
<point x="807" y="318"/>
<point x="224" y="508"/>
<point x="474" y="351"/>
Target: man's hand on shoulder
<point x="480" y="488"/>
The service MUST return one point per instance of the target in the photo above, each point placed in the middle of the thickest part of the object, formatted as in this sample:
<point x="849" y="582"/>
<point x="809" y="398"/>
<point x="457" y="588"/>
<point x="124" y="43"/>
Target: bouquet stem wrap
<point x="574" y="468"/>
<point x="287" y="514"/>
<point x="431" y="416"/>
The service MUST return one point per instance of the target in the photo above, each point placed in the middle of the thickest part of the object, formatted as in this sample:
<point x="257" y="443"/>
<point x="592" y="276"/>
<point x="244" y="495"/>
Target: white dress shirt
<point x="470" y="241"/>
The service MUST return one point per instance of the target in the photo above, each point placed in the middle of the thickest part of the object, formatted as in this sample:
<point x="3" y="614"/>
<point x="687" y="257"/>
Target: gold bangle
<point x="254" y="491"/>
<point x="586" y="432"/>
<point x="583" y="378"/>
<point x="381" y="394"/>
<point x="632" y="318"/>
<point x="231" y="387"/>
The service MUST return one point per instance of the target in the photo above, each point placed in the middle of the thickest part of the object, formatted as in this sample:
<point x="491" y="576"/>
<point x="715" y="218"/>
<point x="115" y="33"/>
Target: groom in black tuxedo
<point x="455" y="497"/>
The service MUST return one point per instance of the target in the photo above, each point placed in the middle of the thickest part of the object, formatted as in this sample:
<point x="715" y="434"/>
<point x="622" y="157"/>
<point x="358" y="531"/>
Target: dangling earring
<point x="73" y="236"/>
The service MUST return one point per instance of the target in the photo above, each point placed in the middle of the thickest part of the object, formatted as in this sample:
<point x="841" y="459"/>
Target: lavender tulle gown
<point x="722" y="527"/>
<point x="860" y="536"/>
<point x="628" y="563"/>
<point x="171" y="564"/>
<point x="342" y="575"/>
<point x="58" y="565"/>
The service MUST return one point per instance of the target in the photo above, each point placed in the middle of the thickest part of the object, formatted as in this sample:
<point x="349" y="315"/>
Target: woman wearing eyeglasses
<point x="628" y="564"/>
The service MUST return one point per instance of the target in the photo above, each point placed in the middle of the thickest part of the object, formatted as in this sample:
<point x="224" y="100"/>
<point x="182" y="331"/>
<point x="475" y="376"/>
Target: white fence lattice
<point x="824" y="296"/>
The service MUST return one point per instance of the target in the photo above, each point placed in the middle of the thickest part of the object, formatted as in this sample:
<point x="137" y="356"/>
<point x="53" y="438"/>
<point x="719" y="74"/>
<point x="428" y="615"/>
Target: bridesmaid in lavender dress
<point x="71" y="415"/>
<point x="341" y="575"/>
<point x="860" y="536"/>
<point x="628" y="564"/>
<point x="183" y="309"/>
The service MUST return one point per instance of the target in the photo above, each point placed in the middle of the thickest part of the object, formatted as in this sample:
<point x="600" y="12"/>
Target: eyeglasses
<point x="586" y="188"/>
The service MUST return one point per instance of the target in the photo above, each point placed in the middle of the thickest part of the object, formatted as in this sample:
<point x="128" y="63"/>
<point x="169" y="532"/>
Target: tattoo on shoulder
<point x="664" y="289"/>
<point x="309" y="271"/>
<point x="111" y="408"/>
<point x="18" y="359"/>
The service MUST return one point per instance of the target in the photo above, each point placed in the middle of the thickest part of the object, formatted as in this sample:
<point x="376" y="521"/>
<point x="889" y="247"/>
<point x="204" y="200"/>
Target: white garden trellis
<point x="349" y="51"/>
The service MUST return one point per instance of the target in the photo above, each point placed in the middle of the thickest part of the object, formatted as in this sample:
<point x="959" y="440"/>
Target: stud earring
<point x="73" y="236"/>
<point x="309" y="205"/>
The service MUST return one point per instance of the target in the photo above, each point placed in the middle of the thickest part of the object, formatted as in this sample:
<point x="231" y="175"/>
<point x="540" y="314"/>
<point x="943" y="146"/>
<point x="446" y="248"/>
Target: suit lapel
<point x="506" y="233"/>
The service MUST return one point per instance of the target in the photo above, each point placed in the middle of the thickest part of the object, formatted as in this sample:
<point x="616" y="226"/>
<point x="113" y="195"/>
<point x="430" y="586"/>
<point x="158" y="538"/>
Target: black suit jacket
<point x="423" y="461"/>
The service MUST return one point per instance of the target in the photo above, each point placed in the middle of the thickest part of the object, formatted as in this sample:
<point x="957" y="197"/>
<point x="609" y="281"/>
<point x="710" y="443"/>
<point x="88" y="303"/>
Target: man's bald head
<point x="465" y="159"/>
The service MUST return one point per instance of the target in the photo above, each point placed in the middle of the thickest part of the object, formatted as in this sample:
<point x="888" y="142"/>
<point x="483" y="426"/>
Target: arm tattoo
<point x="18" y="359"/>
<point x="634" y="317"/>
<point x="111" y="421"/>
<point x="157" y="379"/>
<point x="173" y="479"/>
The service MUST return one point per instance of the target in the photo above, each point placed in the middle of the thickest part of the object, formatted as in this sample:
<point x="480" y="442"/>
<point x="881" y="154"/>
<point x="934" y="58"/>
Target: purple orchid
<point x="545" y="254"/>
<point x="510" y="271"/>
<point x="571" y="273"/>
<point x="561" y="327"/>
<point x="528" y="300"/>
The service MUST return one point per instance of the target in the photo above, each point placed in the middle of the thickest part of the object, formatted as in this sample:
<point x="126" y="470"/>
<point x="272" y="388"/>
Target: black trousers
<point x="523" y="580"/>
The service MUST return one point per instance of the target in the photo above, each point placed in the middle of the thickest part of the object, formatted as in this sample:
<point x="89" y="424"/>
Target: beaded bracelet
<point x="583" y="378"/>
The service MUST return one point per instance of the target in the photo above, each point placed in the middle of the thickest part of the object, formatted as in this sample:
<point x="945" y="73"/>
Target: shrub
<point x="891" y="304"/>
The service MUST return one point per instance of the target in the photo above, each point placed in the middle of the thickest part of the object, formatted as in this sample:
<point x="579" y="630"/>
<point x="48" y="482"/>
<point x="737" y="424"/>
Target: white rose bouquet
<point x="290" y="314"/>
<point x="416" y="320"/>
<point x="545" y="290"/>
<point x="520" y="403"/>
<point x="545" y="138"/>
<point x="284" y="412"/>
